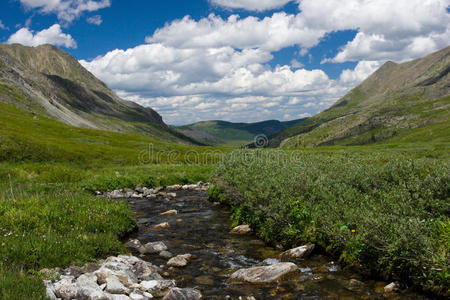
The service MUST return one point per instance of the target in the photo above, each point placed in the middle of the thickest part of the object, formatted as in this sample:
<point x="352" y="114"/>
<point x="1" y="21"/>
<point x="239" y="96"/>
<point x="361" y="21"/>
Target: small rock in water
<point x="169" y="213"/>
<point x="155" y="247"/>
<point x="164" y="225"/>
<point x="355" y="283"/>
<point x="183" y="294"/>
<point x="297" y="253"/>
<point x="241" y="229"/>
<point x="137" y="196"/>
<point x="166" y="254"/>
<point x="392" y="287"/>
<point x="171" y="195"/>
<point x="175" y="187"/>
<point x="136" y="245"/>
<point x="179" y="260"/>
<point x="157" y="285"/>
<point x="267" y="274"/>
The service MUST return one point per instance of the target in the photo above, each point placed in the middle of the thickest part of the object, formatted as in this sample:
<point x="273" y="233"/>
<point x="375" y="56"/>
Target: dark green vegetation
<point x="48" y="171"/>
<point x="397" y="204"/>
<point x="221" y="133"/>
<point x="46" y="80"/>
<point x="396" y="99"/>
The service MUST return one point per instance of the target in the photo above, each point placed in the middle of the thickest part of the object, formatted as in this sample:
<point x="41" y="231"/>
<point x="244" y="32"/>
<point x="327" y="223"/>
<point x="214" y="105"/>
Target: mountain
<point x="222" y="133"/>
<point x="397" y="100"/>
<point x="48" y="81"/>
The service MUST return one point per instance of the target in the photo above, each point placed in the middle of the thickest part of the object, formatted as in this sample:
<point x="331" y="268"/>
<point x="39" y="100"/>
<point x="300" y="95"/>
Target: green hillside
<point x="222" y="133"/>
<point x="48" y="81"/>
<point x="394" y="100"/>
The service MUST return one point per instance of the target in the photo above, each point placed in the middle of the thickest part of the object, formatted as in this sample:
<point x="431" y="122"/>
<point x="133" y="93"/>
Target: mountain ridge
<point x="394" y="99"/>
<point x="220" y="133"/>
<point x="47" y="80"/>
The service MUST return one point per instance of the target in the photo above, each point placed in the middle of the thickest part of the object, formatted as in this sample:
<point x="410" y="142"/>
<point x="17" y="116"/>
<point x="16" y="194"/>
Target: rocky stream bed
<point x="184" y="249"/>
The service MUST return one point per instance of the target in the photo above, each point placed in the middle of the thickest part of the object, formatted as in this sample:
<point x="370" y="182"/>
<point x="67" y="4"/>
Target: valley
<point x="366" y="181"/>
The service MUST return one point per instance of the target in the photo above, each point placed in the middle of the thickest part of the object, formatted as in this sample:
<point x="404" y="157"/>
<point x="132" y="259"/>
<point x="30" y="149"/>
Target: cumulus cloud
<point x="216" y="68"/>
<point x="254" y="5"/>
<point x="53" y="35"/>
<point x="270" y="33"/>
<point x="66" y="10"/>
<point x="387" y="30"/>
<point x="96" y="20"/>
<point x="362" y="70"/>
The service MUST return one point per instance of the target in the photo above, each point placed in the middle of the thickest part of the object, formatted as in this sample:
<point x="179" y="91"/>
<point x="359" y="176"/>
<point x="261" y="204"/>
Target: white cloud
<point x="66" y="10"/>
<point x="296" y="64"/>
<point x="255" y="5"/>
<point x="271" y="33"/>
<point x="387" y="30"/>
<point x="96" y="20"/>
<point x="3" y="26"/>
<point x="219" y="68"/>
<point x="362" y="70"/>
<point x="52" y="35"/>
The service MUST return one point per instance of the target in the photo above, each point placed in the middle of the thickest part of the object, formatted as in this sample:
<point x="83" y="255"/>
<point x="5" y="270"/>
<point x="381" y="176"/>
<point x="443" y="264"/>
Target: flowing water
<point x="202" y="229"/>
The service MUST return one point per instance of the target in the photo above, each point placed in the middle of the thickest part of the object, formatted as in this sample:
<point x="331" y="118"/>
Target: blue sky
<point x="237" y="60"/>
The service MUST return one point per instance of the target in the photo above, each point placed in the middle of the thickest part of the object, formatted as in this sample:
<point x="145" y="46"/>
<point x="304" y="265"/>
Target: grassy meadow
<point x="49" y="216"/>
<point x="385" y="206"/>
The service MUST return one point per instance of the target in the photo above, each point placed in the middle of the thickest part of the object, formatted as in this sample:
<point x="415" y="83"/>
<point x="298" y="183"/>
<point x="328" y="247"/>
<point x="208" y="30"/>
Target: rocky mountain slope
<point x="222" y="133"/>
<point x="47" y="80"/>
<point x="395" y="100"/>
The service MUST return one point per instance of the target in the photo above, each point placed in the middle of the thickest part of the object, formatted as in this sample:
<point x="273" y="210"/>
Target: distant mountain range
<point x="47" y="80"/>
<point x="396" y="102"/>
<point x="221" y="133"/>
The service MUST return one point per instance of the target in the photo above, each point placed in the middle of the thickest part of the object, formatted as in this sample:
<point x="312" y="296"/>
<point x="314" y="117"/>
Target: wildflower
<point x="353" y="230"/>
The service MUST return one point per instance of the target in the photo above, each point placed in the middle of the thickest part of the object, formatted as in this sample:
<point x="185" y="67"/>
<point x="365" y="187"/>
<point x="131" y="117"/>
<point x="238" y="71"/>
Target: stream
<point x="202" y="229"/>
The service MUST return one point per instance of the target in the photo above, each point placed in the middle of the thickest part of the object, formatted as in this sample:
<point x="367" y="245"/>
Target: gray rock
<point x="87" y="287"/>
<point x="136" y="245"/>
<point x="175" y="187"/>
<point x="171" y="195"/>
<point x="155" y="247"/>
<point x="297" y="253"/>
<point x="136" y="296"/>
<point x="169" y="213"/>
<point x="146" y="271"/>
<point x="66" y="288"/>
<point x="164" y="225"/>
<point x="90" y="268"/>
<point x="241" y="229"/>
<point x="49" y="290"/>
<point x="266" y="274"/>
<point x="392" y="287"/>
<point x="121" y="271"/>
<point x="166" y="254"/>
<point x="183" y="294"/>
<point x="116" y="194"/>
<point x="179" y="260"/>
<point x="118" y="297"/>
<point x="156" y="285"/>
<point x="132" y="260"/>
<point x="114" y="286"/>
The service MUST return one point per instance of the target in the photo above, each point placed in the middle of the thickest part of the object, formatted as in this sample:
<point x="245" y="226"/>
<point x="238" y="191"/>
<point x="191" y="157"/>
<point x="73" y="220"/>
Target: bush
<point x="384" y="211"/>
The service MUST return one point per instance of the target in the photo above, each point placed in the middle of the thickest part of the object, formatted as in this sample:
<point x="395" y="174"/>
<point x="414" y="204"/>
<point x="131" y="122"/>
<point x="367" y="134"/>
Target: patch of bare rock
<point x="152" y="193"/>
<point x="241" y="229"/>
<point x="115" y="278"/>
<point x="264" y="274"/>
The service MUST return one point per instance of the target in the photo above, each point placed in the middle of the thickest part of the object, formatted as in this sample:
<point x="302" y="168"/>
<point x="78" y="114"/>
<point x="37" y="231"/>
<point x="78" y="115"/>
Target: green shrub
<point x="382" y="210"/>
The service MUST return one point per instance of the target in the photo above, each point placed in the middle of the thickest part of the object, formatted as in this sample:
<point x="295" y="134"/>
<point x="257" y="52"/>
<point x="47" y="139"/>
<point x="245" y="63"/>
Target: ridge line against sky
<point x="235" y="60"/>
